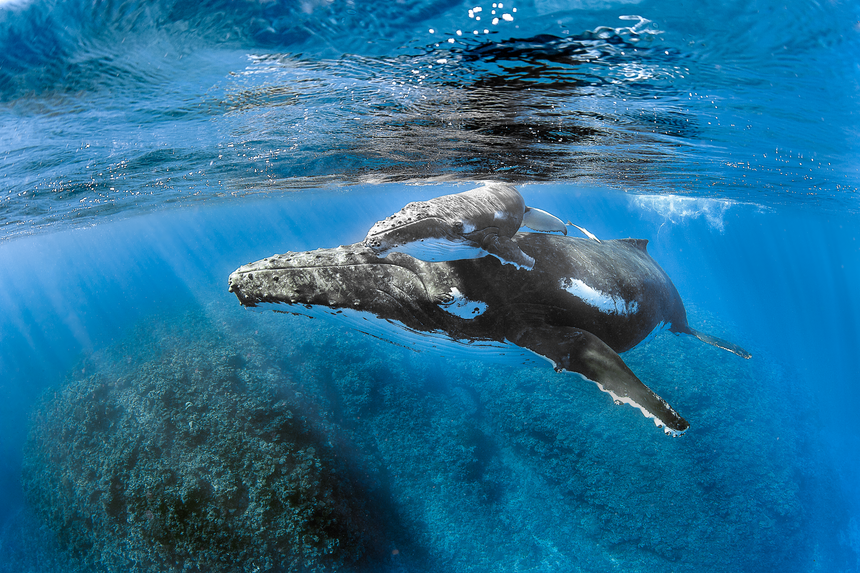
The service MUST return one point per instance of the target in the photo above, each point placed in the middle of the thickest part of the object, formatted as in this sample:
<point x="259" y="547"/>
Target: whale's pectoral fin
<point x="719" y="343"/>
<point x="540" y="220"/>
<point x="508" y="252"/>
<point x="589" y="234"/>
<point x="579" y="351"/>
<point x="502" y="248"/>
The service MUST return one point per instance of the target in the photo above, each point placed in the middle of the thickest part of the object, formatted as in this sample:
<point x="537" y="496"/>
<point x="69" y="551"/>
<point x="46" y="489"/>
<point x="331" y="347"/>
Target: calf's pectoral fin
<point x="508" y="252"/>
<point x="579" y="351"/>
<point x="540" y="220"/>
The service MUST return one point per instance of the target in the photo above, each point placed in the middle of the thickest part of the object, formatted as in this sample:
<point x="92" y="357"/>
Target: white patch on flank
<point x="598" y="299"/>
<point x="502" y="216"/>
<point x="462" y="306"/>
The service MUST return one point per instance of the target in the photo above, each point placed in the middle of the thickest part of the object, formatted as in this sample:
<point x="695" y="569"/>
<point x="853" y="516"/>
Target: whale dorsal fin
<point x="641" y="244"/>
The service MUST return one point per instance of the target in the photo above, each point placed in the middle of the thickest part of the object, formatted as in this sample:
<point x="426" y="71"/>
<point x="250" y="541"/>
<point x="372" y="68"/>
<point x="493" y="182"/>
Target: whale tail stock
<point x="718" y="342"/>
<point x="712" y="340"/>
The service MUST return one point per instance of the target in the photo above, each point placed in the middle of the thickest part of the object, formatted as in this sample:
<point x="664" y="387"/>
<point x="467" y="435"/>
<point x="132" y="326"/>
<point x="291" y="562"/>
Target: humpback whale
<point x="580" y="304"/>
<point x="465" y="225"/>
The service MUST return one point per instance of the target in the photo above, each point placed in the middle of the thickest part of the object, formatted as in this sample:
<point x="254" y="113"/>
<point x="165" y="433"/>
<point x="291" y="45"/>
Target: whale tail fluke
<point x="719" y="343"/>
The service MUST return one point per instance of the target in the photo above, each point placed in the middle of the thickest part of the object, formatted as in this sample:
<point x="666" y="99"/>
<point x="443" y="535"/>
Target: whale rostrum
<point x="579" y="304"/>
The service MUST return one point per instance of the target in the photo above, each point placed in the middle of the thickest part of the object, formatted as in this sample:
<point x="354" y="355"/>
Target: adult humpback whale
<point x="581" y="303"/>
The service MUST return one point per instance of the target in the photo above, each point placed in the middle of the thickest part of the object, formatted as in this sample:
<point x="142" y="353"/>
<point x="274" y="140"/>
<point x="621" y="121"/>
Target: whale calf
<point x="580" y="304"/>
<point x="466" y="225"/>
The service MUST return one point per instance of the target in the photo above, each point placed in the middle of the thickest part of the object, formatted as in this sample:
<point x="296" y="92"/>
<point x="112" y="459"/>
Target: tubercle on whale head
<point x="386" y="236"/>
<point x="285" y="278"/>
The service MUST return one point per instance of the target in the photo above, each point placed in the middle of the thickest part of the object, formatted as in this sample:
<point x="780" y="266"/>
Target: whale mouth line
<point x="394" y="226"/>
<point x="323" y="266"/>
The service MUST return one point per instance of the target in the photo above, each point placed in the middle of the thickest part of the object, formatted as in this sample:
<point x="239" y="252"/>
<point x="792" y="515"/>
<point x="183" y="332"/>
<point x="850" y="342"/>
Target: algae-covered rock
<point x="183" y="449"/>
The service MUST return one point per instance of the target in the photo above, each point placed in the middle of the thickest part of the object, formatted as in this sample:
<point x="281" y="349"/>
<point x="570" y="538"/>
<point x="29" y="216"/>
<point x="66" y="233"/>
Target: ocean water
<point x="149" y="423"/>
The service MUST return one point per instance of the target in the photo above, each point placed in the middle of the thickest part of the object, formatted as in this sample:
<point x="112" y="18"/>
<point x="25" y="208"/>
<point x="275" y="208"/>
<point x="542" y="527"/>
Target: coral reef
<point x="182" y="449"/>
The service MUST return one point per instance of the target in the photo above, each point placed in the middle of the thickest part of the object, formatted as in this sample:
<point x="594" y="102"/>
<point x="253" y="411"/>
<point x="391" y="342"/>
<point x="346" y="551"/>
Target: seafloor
<point x="227" y="440"/>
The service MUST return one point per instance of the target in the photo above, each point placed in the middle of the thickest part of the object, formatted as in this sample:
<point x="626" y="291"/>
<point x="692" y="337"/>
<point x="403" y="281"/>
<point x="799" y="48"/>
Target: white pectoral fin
<point x="540" y="220"/>
<point x="585" y="231"/>
<point x="579" y="351"/>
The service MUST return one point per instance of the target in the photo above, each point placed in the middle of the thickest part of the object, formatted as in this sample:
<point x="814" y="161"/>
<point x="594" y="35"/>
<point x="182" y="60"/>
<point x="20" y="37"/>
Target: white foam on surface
<point x="676" y="209"/>
<point x="598" y="299"/>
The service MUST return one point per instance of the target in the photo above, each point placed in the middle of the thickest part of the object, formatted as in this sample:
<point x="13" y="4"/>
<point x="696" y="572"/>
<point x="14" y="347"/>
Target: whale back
<point x="613" y="289"/>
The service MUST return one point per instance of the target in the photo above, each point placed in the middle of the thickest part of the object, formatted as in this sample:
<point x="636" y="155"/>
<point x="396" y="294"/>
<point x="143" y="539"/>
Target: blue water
<point x="149" y="149"/>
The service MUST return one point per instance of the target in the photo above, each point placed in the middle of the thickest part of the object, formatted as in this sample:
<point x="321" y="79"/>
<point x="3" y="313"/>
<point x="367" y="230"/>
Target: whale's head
<point x="414" y="223"/>
<point x="346" y="277"/>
